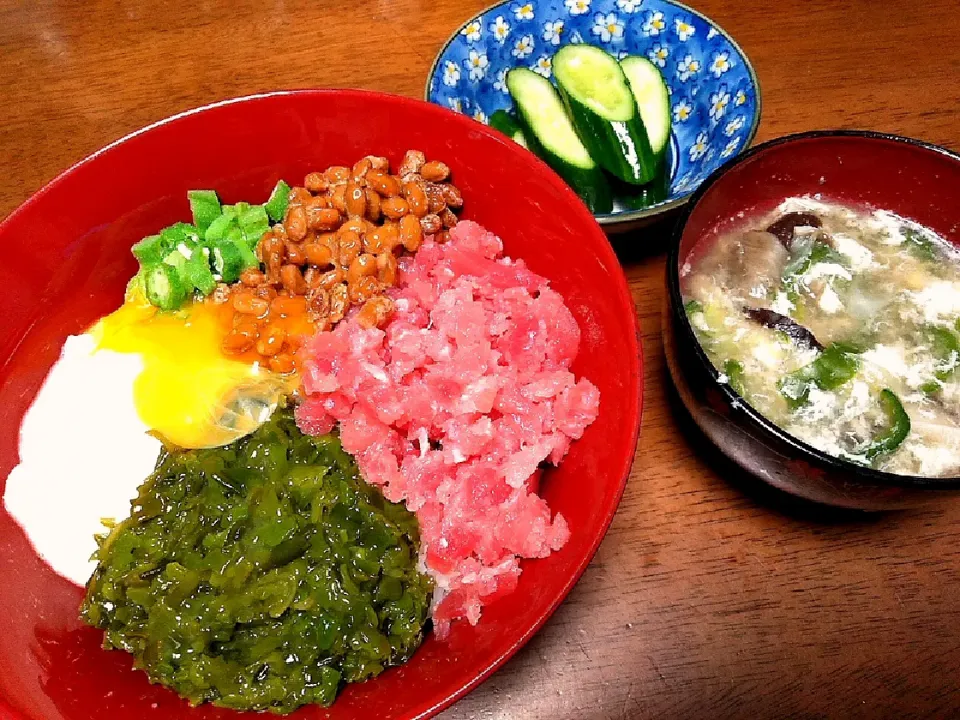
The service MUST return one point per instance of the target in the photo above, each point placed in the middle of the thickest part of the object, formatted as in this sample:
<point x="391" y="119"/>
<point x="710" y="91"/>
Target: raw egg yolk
<point x="189" y="394"/>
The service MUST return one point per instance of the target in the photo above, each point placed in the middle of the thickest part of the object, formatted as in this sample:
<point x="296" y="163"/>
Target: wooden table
<point x="708" y="598"/>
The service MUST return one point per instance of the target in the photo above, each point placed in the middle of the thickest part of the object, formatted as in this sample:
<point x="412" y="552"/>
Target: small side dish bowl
<point x="52" y="665"/>
<point x="714" y="92"/>
<point x="912" y="179"/>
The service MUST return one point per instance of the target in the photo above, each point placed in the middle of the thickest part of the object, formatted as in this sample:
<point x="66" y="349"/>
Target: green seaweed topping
<point x="261" y="575"/>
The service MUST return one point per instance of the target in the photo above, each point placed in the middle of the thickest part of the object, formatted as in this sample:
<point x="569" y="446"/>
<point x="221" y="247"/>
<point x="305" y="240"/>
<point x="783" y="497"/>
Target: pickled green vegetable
<point x="262" y="575"/>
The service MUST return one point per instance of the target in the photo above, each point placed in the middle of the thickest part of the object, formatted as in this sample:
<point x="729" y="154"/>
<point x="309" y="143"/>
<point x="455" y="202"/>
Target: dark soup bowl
<point x="912" y="179"/>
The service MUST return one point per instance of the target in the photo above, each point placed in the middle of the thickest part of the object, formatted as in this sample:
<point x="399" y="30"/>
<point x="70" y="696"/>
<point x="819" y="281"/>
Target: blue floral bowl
<point x="714" y="90"/>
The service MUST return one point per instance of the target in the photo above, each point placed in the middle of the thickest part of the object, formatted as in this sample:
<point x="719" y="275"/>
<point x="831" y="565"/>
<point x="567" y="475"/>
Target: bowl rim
<point x="767" y="427"/>
<point x="626" y="216"/>
<point x="621" y="478"/>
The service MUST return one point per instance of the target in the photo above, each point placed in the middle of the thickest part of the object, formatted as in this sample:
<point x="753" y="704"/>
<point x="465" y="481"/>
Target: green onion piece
<point x="795" y="388"/>
<point x="931" y="387"/>
<point x="218" y="228"/>
<point x="176" y="260"/>
<point x="253" y="224"/>
<point x="150" y="250"/>
<point x="256" y="216"/>
<point x="236" y="238"/>
<point x="178" y="233"/>
<point x="136" y="284"/>
<point x="945" y="343"/>
<point x="919" y="245"/>
<point x="896" y="431"/>
<point x="692" y="307"/>
<point x="793" y="295"/>
<point x="252" y="237"/>
<point x="164" y="287"/>
<point x="819" y="252"/>
<point x="171" y="236"/>
<point x="247" y="257"/>
<point x="197" y="272"/>
<point x="833" y="367"/>
<point x="276" y="205"/>
<point x="733" y="369"/>
<point x="227" y="261"/>
<point x="205" y="206"/>
<point x="234" y="235"/>
<point x="853" y="346"/>
<point x="945" y="347"/>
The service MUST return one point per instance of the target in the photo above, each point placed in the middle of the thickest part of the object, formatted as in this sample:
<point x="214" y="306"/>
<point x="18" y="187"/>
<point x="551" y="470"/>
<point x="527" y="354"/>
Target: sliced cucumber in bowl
<point x="604" y="112"/>
<point x="551" y="135"/>
<point x="507" y="124"/>
<point x="640" y="197"/>
<point x="653" y="103"/>
<point x="605" y="128"/>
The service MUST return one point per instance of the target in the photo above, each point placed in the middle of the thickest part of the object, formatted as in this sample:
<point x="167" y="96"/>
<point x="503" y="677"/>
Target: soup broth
<point x="841" y="326"/>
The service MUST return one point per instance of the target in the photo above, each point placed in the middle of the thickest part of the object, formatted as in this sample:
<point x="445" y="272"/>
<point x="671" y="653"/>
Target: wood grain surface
<point x="710" y="597"/>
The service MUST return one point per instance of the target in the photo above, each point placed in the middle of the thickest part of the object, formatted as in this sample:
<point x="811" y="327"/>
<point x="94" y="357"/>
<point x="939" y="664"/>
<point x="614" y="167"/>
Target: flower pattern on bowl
<point x="714" y="96"/>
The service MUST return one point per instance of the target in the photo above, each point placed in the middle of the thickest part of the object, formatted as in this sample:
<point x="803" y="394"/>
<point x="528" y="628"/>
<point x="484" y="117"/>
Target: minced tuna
<point x="454" y="407"/>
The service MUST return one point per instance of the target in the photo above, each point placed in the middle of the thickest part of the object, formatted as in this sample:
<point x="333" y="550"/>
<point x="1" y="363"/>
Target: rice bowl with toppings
<point x="578" y="542"/>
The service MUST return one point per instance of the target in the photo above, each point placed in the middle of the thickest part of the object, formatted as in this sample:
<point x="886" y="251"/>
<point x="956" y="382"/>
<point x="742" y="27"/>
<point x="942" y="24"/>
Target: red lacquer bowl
<point x="67" y="260"/>
<point x="860" y="169"/>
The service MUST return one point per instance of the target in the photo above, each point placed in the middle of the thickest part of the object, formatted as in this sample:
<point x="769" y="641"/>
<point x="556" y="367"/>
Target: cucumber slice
<point x="551" y="136"/>
<point x="638" y="197"/>
<point x="653" y="102"/>
<point x="507" y="124"/>
<point x="604" y="112"/>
